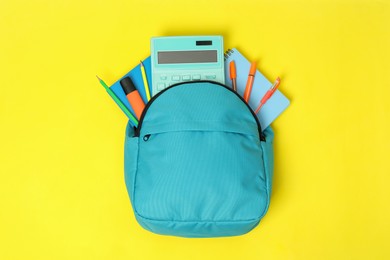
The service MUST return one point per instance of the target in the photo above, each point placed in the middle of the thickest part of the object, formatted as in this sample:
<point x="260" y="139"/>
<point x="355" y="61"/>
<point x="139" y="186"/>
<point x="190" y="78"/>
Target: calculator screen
<point x="175" y="57"/>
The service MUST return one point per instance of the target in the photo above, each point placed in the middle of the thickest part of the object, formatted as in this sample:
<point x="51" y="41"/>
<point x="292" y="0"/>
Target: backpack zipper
<point x="138" y="129"/>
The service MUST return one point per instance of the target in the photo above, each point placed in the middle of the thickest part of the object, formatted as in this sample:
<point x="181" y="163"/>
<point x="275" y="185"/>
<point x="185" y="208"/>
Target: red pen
<point x="269" y="94"/>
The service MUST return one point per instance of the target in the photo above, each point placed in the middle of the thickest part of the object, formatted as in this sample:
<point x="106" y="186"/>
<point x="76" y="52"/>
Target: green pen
<point x="133" y="120"/>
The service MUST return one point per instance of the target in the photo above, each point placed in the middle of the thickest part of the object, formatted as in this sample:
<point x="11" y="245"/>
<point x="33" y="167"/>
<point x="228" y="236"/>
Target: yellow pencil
<point x="146" y="86"/>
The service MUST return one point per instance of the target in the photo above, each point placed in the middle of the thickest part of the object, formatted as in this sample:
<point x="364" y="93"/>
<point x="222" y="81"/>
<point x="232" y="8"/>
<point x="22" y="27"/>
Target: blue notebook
<point x="273" y="107"/>
<point x="268" y="113"/>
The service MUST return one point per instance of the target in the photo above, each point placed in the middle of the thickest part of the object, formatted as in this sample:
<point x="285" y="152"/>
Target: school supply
<point x="133" y="96"/>
<point x="132" y="119"/>
<point x="275" y="105"/>
<point x="267" y="95"/>
<point x="136" y="76"/>
<point x="233" y="75"/>
<point x="269" y="112"/>
<point x="186" y="58"/>
<point x="145" y="80"/>
<point x="249" y="83"/>
<point x="199" y="164"/>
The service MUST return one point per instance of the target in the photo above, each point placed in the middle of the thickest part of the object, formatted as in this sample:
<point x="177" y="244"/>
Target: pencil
<point x="133" y="120"/>
<point x="145" y="79"/>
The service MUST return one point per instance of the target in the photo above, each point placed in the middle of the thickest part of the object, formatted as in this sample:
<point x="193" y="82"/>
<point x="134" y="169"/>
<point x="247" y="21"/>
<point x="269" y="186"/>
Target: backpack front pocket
<point x="200" y="176"/>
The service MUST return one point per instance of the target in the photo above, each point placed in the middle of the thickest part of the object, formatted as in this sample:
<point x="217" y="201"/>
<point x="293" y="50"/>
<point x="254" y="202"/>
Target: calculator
<point x="178" y="59"/>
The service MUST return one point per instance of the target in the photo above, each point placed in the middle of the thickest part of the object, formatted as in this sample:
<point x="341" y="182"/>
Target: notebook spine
<point x="228" y="53"/>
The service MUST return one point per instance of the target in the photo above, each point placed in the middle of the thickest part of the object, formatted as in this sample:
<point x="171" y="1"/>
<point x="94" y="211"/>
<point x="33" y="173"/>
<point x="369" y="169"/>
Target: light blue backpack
<point x="198" y="165"/>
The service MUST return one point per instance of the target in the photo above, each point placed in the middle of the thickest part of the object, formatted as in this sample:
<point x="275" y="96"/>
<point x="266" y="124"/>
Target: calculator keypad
<point x="166" y="80"/>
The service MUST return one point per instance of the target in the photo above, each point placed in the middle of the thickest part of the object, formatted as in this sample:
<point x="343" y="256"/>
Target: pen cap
<point x="253" y="68"/>
<point x="233" y="74"/>
<point x="127" y="85"/>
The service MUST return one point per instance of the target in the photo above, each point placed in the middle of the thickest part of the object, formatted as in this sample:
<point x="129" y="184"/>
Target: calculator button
<point x="175" y="78"/>
<point x="210" y="76"/>
<point x="163" y="77"/>
<point x="186" y="77"/>
<point x="196" y="77"/>
<point x="160" y="86"/>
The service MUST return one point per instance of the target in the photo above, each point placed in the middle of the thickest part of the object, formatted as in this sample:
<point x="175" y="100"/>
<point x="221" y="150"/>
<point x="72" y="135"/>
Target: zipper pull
<point x="146" y="137"/>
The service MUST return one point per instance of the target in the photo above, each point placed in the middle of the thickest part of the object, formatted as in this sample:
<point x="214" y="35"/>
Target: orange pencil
<point x="249" y="83"/>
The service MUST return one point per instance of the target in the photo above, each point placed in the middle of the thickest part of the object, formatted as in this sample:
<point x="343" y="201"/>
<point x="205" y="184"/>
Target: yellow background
<point x="62" y="191"/>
